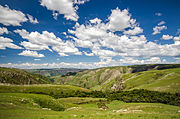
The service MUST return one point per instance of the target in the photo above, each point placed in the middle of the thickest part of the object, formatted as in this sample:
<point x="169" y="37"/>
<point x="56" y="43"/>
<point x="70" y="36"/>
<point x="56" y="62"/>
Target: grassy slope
<point x="159" y="80"/>
<point x="47" y="89"/>
<point x="23" y="106"/>
<point x="18" y="76"/>
<point x="93" y="79"/>
<point x="34" y="101"/>
<point x="54" y="71"/>
<point x="167" y="78"/>
<point x="81" y="100"/>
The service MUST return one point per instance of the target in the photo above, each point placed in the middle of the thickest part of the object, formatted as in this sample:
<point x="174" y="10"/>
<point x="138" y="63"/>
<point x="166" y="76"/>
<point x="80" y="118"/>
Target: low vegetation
<point x="56" y="91"/>
<point x="21" y="77"/>
<point x="158" y="77"/>
<point x="55" y="71"/>
<point x="82" y="100"/>
<point x="167" y="80"/>
<point x="129" y="92"/>
<point x="34" y="100"/>
<point x="116" y="110"/>
<point x="145" y="96"/>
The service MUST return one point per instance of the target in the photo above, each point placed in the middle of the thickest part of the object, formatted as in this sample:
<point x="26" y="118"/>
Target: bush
<point x="141" y="95"/>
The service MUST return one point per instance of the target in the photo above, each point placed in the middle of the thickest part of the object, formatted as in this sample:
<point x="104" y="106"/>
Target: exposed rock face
<point x="101" y="79"/>
<point x="117" y="87"/>
<point x="110" y="74"/>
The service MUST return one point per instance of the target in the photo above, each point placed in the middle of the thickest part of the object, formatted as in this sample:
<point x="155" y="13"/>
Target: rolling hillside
<point x="54" y="72"/>
<point x="18" y="76"/>
<point x="35" y="106"/>
<point x="159" y="77"/>
<point x="167" y="80"/>
<point x="50" y="101"/>
<point x="55" y="91"/>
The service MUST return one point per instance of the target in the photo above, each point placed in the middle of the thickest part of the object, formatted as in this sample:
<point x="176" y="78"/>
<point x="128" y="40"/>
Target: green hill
<point x="167" y="80"/>
<point x="54" y="71"/>
<point x="158" y="77"/>
<point x="56" y="91"/>
<point x="36" y="106"/>
<point x="48" y="101"/>
<point x="18" y="76"/>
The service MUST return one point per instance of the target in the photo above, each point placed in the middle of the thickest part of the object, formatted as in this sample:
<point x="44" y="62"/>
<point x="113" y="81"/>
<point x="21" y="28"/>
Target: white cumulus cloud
<point x="158" y="29"/>
<point x="106" y="44"/>
<point x="7" y="43"/>
<point x="80" y="1"/>
<point x="11" y="17"/>
<point x="95" y="21"/>
<point x="3" y="30"/>
<point x="89" y="54"/>
<point x="135" y="31"/>
<point x="161" y="23"/>
<point x="34" y="21"/>
<point x="37" y="59"/>
<point x="45" y="40"/>
<point x="65" y="7"/>
<point x="177" y="38"/>
<point x="167" y="37"/>
<point x="119" y="20"/>
<point x="31" y="53"/>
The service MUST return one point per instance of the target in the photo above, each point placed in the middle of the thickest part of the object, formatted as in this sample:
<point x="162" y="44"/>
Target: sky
<point x="88" y="33"/>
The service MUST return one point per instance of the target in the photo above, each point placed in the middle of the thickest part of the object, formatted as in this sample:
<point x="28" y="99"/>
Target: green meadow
<point x="144" y="92"/>
<point x="26" y="106"/>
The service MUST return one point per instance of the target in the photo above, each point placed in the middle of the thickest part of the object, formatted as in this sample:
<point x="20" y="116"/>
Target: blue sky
<point x="88" y="33"/>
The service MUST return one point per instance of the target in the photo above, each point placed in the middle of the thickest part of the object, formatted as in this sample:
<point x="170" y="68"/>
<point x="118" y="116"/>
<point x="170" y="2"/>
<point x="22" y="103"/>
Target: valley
<point x="125" y="92"/>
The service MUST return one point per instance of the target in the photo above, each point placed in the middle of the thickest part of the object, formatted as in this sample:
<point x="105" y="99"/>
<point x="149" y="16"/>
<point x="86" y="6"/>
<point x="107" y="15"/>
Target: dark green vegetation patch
<point x="56" y="91"/>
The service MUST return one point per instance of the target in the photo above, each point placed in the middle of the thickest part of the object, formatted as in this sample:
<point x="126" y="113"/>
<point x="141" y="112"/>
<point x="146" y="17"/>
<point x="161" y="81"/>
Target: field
<point x="143" y="92"/>
<point x="22" y="106"/>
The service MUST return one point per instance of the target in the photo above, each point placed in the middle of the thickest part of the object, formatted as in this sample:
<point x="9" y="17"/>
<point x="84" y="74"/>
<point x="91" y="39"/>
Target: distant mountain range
<point x="54" y="72"/>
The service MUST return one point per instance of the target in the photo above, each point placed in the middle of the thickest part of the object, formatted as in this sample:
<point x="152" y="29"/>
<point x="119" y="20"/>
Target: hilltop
<point x="18" y="76"/>
<point x="159" y="77"/>
<point x="54" y="71"/>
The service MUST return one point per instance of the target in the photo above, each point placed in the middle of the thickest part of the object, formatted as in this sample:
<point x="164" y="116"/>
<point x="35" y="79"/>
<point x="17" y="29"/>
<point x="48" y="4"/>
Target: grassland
<point x="23" y="106"/>
<point x="54" y="71"/>
<point x="93" y="79"/>
<point x="164" y="78"/>
<point x="82" y="100"/>
<point x="55" y="91"/>
<point x="52" y="101"/>
<point x="21" y="77"/>
<point x="167" y="80"/>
